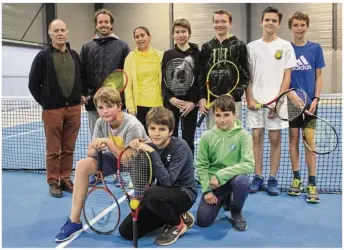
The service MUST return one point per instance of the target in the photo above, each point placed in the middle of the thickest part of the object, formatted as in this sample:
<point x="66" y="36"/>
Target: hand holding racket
<point x="222" y="78"/>
<point x="138" y="165"/>
<point x="287" y="106"/>
<point x="117" y="79"/>
<point x="179" y="77"/>
<point x="100" y="208"/>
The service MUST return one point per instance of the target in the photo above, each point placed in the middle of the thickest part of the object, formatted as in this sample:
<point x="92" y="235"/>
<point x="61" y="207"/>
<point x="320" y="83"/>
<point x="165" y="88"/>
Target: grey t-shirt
<point x="130" y="129"/>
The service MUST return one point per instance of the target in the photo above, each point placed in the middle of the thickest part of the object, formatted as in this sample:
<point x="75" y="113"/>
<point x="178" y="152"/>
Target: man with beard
<point x="99" y="57"/>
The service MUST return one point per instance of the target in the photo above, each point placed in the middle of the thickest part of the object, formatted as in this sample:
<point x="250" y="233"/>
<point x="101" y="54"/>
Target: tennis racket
<point x="138" y="165"/>
<point x="287" y="106"/>
<point x="100" y="208"/>
<point x="117" y="79"/>
<point x="222" y="78"/>
<point x="179" y="77"/>
<point x="319" y="135"/>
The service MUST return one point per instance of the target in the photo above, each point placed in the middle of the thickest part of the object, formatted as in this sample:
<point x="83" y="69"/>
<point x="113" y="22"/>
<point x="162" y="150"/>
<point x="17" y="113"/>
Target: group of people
<point x="61" y="81"/>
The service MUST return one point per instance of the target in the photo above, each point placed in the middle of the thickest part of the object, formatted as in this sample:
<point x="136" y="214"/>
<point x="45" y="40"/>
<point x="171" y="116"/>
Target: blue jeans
<point x="238" y="187"/>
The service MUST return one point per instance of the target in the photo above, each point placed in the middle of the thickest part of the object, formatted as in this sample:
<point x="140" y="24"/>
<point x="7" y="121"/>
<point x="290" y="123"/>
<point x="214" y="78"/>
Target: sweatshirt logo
<point x="279" y="54"/>
<point x="232" y="147"/>
<point x="219" y="54"/>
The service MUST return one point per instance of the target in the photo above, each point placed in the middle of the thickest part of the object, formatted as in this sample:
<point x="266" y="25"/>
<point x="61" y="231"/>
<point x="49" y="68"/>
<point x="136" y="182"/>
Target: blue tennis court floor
<point x="32" y="218"/>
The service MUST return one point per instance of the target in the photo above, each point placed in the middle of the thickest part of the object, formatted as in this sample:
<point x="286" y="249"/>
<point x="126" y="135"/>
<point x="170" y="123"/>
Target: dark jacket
<point x="99" y="58"/>
<point x="193" y="93"/>
<point x="43" y="82"/>
<point x="173" y="166"/>
<point x="231" y="49"/>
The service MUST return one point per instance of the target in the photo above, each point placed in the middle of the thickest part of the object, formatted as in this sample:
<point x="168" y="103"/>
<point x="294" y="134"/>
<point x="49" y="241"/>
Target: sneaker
<point x="170" y="234"/>
<point x="55" y="190"/>
<point x="238" y="221"/>
<point x="273" y="186"/>
<point x="256" y="184"/>
<point x="226" y="203"/>
<point x="92" y="181"/>
<point x="68" y="230"/>
<point x="296" y="187"/>
<point x="312" y="194"/>
<point x="188" y="219"/>
<point x="66" y="185"/>
<point x="116" y="181"/>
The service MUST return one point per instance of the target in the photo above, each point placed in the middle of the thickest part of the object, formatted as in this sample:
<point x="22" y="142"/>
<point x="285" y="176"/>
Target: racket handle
<point x="200" y="121"/>
<point x="100" y="160"/>
<point x="135" y="236"/>
<point x="182" y="122"/>
<point x="88" y="98"/>
<point x="259" y="106"/>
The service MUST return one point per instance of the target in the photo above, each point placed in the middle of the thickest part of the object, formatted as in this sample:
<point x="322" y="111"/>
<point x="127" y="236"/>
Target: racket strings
<point x="179" y="76"/>
<point x="101" y="210"/>
<point x="292" y="104"/>
<point x="223" y="78"/>
<point x="115" y="80"/>
<point x="137" y="165"/>
<point x="320" y="136"/>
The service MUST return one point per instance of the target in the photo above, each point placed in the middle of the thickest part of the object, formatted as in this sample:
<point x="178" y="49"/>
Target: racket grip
<point x="88" y="98"/>
<point x="100" y="160"/>
<point x="258" y="106"/>
<point x="200" y="120"/>
<point x="182" y="122"/>
<point x="135" y="236"/>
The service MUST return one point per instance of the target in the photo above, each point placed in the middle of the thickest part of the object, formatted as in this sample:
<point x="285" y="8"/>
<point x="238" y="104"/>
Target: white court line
<point x="99" y="216"/>
<point x="33" y="131"/>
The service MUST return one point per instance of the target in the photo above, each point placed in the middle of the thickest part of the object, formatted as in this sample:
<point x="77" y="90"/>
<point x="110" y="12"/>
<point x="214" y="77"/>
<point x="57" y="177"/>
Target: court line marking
<point x="94" y="220"/>
<point x="33" y="131"/>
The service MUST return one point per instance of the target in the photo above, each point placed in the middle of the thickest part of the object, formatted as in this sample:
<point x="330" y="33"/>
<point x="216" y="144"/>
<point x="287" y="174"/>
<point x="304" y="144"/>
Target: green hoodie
<point x="224" y="154"/>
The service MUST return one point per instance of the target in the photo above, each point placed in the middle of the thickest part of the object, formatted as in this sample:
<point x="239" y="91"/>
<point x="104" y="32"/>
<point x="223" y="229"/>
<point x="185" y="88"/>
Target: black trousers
<point x="141" y="116"/>
<point x="188" y="134"/>
<point x="160" y="206"/>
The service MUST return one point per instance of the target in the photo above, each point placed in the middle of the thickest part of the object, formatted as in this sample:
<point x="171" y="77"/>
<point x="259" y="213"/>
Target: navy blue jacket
<point x="173" y="166"/>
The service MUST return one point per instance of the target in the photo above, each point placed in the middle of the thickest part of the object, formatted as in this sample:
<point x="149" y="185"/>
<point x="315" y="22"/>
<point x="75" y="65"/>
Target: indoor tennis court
<point x="32" y="218"/>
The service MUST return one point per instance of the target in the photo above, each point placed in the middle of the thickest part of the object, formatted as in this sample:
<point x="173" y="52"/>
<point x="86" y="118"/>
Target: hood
<point x="96" y="36"/>
<point x="192" y="50"/>
<point x="236" y="128"/>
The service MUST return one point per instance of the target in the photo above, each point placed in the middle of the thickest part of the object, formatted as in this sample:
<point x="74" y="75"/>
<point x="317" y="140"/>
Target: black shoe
<point x="226" y="203"/>
<point x="66" y="185"/>
<point x="170" y="234"/>
<point x="55" y="190"/>
<point x="238" y="221"/>
<point x="188" y="219"/>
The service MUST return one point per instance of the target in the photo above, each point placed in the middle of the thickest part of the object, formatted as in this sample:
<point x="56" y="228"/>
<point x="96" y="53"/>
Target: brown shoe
<point x="66" y="185"/>
<point x="55" y="190"/>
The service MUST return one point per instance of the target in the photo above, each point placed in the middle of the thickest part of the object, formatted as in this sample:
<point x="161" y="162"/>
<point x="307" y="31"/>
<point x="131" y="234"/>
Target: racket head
<point x="101" y="210"/>
<point x="291" y="104"/>
<point x="179" y="75"/>
<point x="100" y="207"/>
<point x="117" y="79"/>
<point x="138" y="165"/>
<point x="222" y="78"/>
<point x="319" y="136"/>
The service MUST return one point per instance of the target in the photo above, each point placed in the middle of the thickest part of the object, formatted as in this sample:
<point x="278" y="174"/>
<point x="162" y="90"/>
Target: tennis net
<point x="23" y="143"/>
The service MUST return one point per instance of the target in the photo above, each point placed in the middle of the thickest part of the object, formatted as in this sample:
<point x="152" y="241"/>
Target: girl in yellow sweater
<point x="143" y="66"/>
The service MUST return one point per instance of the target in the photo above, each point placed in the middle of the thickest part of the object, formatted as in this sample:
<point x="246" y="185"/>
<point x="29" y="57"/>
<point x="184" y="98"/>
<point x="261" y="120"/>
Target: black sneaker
<point x="226" y="203"/>
<point x="188" y="219"/>
<point x="170" y="234"/>
<point x="238" y="221"/>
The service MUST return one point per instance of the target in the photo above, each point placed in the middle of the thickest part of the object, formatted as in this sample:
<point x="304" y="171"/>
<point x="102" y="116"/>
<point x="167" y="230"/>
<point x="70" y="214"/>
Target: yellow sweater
<point x="144" y="79"/>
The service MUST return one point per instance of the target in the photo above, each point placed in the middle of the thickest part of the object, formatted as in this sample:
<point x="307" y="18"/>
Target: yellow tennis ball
<point x="134" y="204"/>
